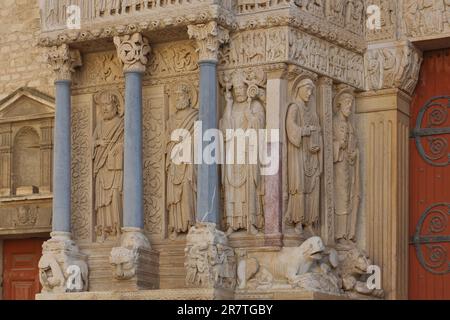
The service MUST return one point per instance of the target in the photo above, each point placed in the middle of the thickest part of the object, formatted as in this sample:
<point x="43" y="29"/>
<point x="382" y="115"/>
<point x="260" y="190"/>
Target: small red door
<point x="20" y="268"/>
<point x="429" y="227"/>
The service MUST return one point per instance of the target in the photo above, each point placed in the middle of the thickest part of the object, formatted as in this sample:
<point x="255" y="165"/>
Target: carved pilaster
<point x="325" y="111"/>
<point x="46" y="148"/>
<point x="133" y="51"/>
<point x="209" y="38"/>
<point x="63" y="61"/>
<point x="5" y="160"/>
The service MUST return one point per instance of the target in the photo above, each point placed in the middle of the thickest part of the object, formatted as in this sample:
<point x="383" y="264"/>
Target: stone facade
<point x="130" y="219"/>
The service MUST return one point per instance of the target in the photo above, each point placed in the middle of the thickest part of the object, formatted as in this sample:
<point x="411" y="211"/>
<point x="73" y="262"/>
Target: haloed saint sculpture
<point x="304" y="159"/>
<point x="108" y="165"/>
<point x="242" y="182"/>
<point x="181" y="177"/>
<point x="346" y="169"/>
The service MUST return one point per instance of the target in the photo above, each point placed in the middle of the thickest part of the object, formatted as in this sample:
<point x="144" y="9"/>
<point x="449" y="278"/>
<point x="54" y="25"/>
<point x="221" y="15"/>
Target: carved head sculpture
<point x="305" y="90"/>
<point x="183" y="97"/>
<point x="344" y="104"/>
<point x="240" y="86"/>
<point x="354" y="262"/>
<point x="312" y="248"/>
<point x="109" y="103"/>
<point x="123" y="263"/>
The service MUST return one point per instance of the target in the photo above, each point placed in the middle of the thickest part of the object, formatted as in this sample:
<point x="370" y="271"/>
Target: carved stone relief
<point x="425" y="18"/>
<point x="242" y="182"/>
<point x="82" y="129"/>
<point x="304" y="159"/>
<point x="346" y="168"/>
<point x="107" y="155"/>
<point x="181" y="188"/>
<point x="209" y="261"/>
<point x="395" y="66"/>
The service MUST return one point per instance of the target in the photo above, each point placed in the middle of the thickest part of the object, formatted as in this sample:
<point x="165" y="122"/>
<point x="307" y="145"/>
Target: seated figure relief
<point x="108" y="165"/>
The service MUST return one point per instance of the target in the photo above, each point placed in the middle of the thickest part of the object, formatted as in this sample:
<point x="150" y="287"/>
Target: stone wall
<point x="22" y="62"/>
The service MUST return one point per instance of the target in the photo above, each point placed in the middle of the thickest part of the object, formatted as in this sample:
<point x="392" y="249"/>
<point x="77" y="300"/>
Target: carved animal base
<point x="164" y="294"/>
<point x="147" y="273"/>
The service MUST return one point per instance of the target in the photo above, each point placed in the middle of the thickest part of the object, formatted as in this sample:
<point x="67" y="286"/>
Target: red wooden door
<point x="429" y="226"/>
<point x="20" y="268"/>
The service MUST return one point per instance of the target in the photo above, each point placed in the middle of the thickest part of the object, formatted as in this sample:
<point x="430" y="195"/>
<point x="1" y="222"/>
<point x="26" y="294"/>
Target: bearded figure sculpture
<point x="181" y="177"/>
<point x="108" y="165"/>
<point x="346" y="169"/>
<point x="305" y="164"/>
<point x="242" y="182"/>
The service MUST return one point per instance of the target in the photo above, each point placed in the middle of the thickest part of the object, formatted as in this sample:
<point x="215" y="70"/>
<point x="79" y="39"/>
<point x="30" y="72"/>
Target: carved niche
<point x="26" y="143"/>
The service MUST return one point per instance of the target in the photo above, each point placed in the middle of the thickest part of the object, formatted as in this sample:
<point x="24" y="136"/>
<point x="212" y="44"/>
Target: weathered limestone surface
<point x="338" y="93"/>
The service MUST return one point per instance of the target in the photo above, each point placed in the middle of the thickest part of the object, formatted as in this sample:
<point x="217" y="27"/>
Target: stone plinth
<point x="165" y="294"/>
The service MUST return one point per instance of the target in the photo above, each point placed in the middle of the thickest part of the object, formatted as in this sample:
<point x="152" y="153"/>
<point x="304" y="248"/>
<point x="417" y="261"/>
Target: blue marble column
<point x="133" y="51"/>
<point x="209" y="38"/>
<point x="62" y="158"/>
<point x="133" y="215"/>
<point x="208" y="189"/>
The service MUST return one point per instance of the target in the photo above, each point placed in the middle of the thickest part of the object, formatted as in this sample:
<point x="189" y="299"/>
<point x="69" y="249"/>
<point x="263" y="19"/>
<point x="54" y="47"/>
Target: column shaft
<point x="208" y="191"/>
<point x="62" y="158"/>
<point x="133" y="174"/>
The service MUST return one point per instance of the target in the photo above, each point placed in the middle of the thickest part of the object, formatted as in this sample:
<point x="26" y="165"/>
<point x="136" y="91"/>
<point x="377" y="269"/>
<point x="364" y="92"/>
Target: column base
<point x="135" y="266"/>
<point x="210" y="261"/>
<point x="58" y="254"/>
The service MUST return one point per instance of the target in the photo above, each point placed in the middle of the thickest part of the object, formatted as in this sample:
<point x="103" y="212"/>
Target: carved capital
<point x="325" y="81"/>
<point x="393" y="67"/>
<point x="133" y="51"/>
<point x="63" y="61"/>
<point x="209" y="38"/>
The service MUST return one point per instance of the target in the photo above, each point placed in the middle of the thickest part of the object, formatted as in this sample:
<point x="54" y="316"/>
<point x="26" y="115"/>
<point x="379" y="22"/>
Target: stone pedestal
<point x="58" y="255"/>
<point x="135" y="266"/>
<point x="210" y="262"/>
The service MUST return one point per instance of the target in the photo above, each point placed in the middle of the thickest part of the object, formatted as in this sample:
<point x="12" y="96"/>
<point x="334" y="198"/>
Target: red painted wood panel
<point x="429" y="252"/>
<point x="20" y="268"/>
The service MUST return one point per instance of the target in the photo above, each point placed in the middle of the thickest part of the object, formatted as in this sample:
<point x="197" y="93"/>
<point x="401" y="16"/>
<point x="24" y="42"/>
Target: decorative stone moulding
<point x="289" y="13"/>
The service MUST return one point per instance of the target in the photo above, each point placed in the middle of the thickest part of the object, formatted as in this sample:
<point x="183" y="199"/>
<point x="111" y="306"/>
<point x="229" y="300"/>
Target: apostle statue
<point x="304" y="160"/>
<point x="181" y="176"/>
<point x="108" y="165"/>
<point x="346" y="169"/>
<point x="243" y="186"/>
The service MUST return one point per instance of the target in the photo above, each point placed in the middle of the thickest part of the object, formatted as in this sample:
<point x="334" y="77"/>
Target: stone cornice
<point x="289" y="16"/>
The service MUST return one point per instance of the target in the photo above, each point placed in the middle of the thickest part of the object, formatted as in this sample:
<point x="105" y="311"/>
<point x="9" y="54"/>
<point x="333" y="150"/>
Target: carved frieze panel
<point x="25" y="216"/>
<point x="425" y="18"/>
<point x="388" y="23"/>
<point x="396" y="66"/>
<point x="281" y="44"/>
<point x="82" y="130"/>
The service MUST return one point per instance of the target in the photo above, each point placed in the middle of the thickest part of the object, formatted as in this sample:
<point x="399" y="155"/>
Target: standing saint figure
<point x="242" y="181"/>
<point x="304" y="159"/>
<point x="346" y="169"/>
<point x="108" y="165"/>
<point x="181" y="176"/>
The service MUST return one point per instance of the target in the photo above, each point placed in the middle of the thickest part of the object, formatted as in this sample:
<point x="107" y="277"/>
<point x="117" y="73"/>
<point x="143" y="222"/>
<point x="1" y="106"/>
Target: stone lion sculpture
<point x="293" y="265"/>
<point x="54" y="273"/>
<point x="353" y="266"/>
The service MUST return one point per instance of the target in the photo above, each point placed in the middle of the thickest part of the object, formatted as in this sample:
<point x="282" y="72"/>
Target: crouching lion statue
<point x="310" y="266"/>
